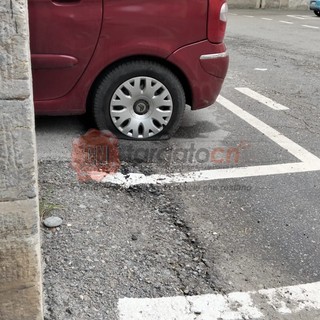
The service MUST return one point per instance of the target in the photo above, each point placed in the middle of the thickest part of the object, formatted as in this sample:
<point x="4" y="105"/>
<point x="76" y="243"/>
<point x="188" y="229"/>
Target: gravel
<point x="124" y="243"/>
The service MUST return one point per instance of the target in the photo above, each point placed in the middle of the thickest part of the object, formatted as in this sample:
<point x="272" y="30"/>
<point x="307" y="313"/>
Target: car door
<point x="63" y="35"/>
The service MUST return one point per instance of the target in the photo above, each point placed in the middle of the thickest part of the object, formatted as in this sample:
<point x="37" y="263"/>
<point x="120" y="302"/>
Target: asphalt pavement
<point x="210" y="223"/>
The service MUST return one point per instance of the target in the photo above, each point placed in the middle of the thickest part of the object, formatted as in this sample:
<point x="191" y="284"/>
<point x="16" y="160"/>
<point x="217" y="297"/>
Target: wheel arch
<point x="172" y="67"/>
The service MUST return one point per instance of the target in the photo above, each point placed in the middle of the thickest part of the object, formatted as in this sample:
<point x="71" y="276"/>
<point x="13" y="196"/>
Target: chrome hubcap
<point x="141" y="107"/>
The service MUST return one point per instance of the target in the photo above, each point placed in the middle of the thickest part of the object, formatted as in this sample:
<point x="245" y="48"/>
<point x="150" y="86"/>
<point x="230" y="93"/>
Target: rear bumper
<point x="205" y="66"/>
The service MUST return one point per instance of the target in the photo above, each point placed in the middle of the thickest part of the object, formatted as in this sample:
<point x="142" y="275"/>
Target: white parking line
<point x="134" y="179"/>
<point x="262" y="304"/>
<point x="309" y="161"/>
<point x="311" y="27"/>
<point x="284" y="142"/>
<point x="295" y="17"/>
<point x="312" y="17"/>
<point x="248" y="16"/>
<point x="267" y="19"/>
<point x="262" y="99"/>
<point x="286" y="22"/>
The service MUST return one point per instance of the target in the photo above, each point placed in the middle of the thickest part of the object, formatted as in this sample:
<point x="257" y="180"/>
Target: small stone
<point x="82" y="206"/>
<point x="179" y="223"/>
<point x="134" y="237"/>
<point x="52" y="222"/>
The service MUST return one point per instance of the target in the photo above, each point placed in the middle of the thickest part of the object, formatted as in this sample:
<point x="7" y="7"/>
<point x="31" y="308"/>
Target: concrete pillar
<point x="20" y="272"/>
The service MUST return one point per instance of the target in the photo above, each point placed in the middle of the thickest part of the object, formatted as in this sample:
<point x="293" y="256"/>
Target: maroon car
<point x="134" y="64"/>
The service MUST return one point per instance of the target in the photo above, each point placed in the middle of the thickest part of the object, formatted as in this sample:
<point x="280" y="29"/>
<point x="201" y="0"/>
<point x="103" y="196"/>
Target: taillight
<point x="217" y="20"/>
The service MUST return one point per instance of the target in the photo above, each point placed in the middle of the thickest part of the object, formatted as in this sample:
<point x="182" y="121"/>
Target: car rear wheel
<point x="317" y="12"/>
<point x="139" y="100"/>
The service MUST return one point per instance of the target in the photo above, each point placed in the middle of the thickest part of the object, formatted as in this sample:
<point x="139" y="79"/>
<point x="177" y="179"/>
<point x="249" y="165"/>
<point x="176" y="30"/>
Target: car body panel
<point x="206" y="76"/>
<point x="63" y="38"/>
<point x="315" y="5"/>
<point x="162" y="30"/>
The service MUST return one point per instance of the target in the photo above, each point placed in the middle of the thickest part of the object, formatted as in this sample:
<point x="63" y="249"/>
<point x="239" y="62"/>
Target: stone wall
<point x="245" y="4"/>
<point x="298" y="4"/>
<point x="20" y="276"/>
<point x="251" y="4"/>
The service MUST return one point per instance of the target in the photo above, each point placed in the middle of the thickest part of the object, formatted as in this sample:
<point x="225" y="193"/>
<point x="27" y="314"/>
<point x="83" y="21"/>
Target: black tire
<point x="317" y="13"/>
<point x="111" y="81"/>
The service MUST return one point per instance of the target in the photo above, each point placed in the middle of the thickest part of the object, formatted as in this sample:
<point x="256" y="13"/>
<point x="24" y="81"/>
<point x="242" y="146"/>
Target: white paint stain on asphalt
<point x="308" y="161"/>
<point x="262" y="304"/>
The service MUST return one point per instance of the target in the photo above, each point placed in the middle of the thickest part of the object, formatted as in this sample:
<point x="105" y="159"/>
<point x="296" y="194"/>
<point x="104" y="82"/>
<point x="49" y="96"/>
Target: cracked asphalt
<point x="195" y="238"/>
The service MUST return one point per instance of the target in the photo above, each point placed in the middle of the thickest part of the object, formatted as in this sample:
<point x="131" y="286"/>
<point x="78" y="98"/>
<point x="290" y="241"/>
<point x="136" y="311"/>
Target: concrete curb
<point x="20" y="256"/>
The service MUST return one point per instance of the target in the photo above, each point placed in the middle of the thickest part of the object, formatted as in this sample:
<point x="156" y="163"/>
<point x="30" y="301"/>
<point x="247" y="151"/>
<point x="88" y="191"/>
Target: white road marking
<point x="248" y="16"/>
<point x="262" y="99"/>
<point x="309" y="162"/>
<point x="261" y="69"/>
<point x="295" y="17"/>
<point x="134" y="179"/>
<point x="311" y="27"/>
<point x="284" y="142"/>
<point x="267" y="19"/>
<point x="287" y="22"/>
<point x="262" y="304"/>
<point x="308" y="17"/>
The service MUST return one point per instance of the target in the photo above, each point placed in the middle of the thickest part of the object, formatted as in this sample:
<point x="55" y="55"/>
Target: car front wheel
<point x="317" y="12"/>
<point x="139" y="100"/>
